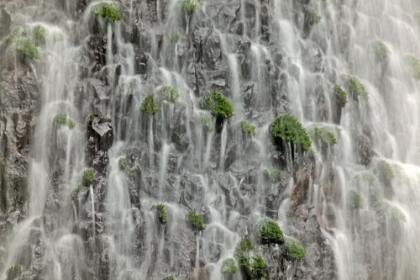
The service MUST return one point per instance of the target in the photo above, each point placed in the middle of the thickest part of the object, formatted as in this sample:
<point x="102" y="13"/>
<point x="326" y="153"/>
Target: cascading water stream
<point x="86" y="162"/>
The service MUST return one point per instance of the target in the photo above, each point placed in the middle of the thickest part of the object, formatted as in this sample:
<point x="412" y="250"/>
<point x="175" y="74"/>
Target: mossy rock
<point x="108" y="11"/>
<point x="170" y="94"/>
<point x="247" y="128"/>
<point x="294" y="249"/>
<point x="357" y="88"/>
<point x="325" y="135"/>
<point x="88" y="177"/>
<point x="188" y="6"/>
<point x="287" y="128"/>
<point x="14" y="271"/>
<point x="269" y="232"/>
<point x="149" y="105"/>
<point x="218" y="105"/>
<point x="122" y="163"/>
<point x="355" y="200"/>
<point x="229" y="267"/>
<point x="392" y="212"/>
<point x="341" y="95"/>
<point x="195" y="221"/>
<point x="379" y="49"/>
<point x="75" y="192"/>
<point x="39" y="35"/>
<point x="62" y="120"/>
<point x="206" y="122"/>
<point x="161" y="214"/>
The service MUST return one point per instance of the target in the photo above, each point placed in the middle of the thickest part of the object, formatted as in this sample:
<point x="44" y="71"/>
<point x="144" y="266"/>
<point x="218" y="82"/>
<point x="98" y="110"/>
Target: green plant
<point x="379" y="49"/>
<point x="258" y="267"/>
<point x="244" y="247"/>
<point x="340" y="94"/>
<point x="149" y="105"/>
<point x="288" y="129"/>
<point x="88" y="176"/>
<point x="218" y="105"/>
<point x="269" y="232"/>
<point x="132" y="173"/>
<point x="122" y="162"/>
<point x="413" y="65"/>
<point x="26" y="48"/>
<point x="385" y="168"/>
<point x="175" y="37"/>
<point x="195" y="221"/>
<point x="62" y="120"/>
<point x="294" y="250"/>
<point x="188" y="6"/>
<point x="206" y="122"/>
<point x="161" y="214"/>
<point x="391" y="211"/>
<point x="75" y="192"/>
<point x="271" y="172"/>
<point x="356" y="87"/>
<point x="247" y="128"/>
<point x="169" y="93"/>
<point x="109" y="11"/>
<point x="318" y="17"/>
<point x="324" y="134"/>
<point x="14" y="271"/>
<point x="229" y="267"/>
<point x="355" y="200"/>
<point x="171" y="278"/>
<point x="39" y="35"/>
<point x="367" y="177"/>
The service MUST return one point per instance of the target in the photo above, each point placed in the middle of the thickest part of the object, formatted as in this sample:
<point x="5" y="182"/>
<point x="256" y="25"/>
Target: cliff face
<point x="87" y="154"/>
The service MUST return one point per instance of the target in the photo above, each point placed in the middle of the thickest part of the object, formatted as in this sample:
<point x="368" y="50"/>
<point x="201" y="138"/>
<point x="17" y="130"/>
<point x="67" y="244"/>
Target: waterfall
<point x="145" y="139"/>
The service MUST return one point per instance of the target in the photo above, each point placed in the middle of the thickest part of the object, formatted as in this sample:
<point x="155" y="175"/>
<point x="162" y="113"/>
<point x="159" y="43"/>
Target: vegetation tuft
<point x="288" y="129"/>
<point x="108" y="11"/>
<point x="269" y="232"/>
<point x="122" y="163"/>
<point x="218" y="105"/>
<point x="247" y="128"/>
<point x="229" y="267"/>
<point x="196" y="221"/>
<point x="324" y="134"/>
<point x="161" y="214"/>
<point x="168" y="93"/>
<point x="149" y="105"/>
<point x="356" y="87"/>
<point x="293" y="249"/>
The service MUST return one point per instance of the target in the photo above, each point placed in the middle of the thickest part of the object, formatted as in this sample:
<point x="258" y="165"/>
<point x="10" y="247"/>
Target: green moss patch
<point x="288" y="129"/>
<point x="218" y="105"/>
<point x="62" y="120"/>
<point x="251" y="264"/>
<point x="170" y="94"/>
<point x="14" y="271"/>
<point x="355" y="200"/>
<point x="108" y="11"/>
<point x="391" y="211"/>
<point x="247" y="128"/>
<point x="324" y="134"/>
<point x="412" y="64"/>
<point x="122" y="163"/>
<point x="340" y="94"/>
<point x="39" y="35"/>
<point x="294" y="249"/>
<point x="269" y="232"/>
<point x="188" y="6"/>
<point x="205" y="121"/>
<point x="195" y="221"/>
<point x="161" y="214"/>
<point x="88" y="176"/>
<point x="75" y="192"/>
<point x="229" y="267"/>
<point x="356" y="87"/>
<point x="149" y="105"/>
<point x="386" y="170"/>
<point x="379" y="49"/>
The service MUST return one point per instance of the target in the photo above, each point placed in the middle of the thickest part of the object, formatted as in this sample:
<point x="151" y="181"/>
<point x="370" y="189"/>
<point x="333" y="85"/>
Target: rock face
<point x="79" y="195"/>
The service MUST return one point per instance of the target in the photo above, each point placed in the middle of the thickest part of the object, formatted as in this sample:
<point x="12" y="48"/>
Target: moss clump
<point x="288" y="129"/>
<point x="62" y="120"/>
<point x="175" y="37"/>
<point x="355" y="200"/>
<point x="195" y="221"/>
<point x="188" y="6"/>
<point x="26" y="48"/>
<point x="132" y="174"/>
<point x="122" y="163"/>
<point x="386" y="170"/>
<point x="39" y="34"/>
<point x="341" y="95"/>
<point x="218" y="105"/>
<point x="379" y="49"/>
<point x="413" y="65"/>
<point x="75" y="192"/>
<point x="108" y="11"/>
<point x="247" y="128"/>
<point x="391" y="211"/>
<point x="88" y="176"/>
<point x="243" y="247"/>
<point x="206" y="122"/>
<point x="251" y="264"/>
<point x="149" y="105"/>
<point x="324" y="134"/>
<point x="229" y="267"/>
<point x="269" y="232"/>
<point x="14" y="271"/>
<point x="356" y="87"/>
<point x="161" y="214"/>
<point x="171" y="278"/>
<point x="271" y="172"/>
<point x="168" y="93"/>
<point x="367" y="177"/>
<point x="294" y="250"/>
